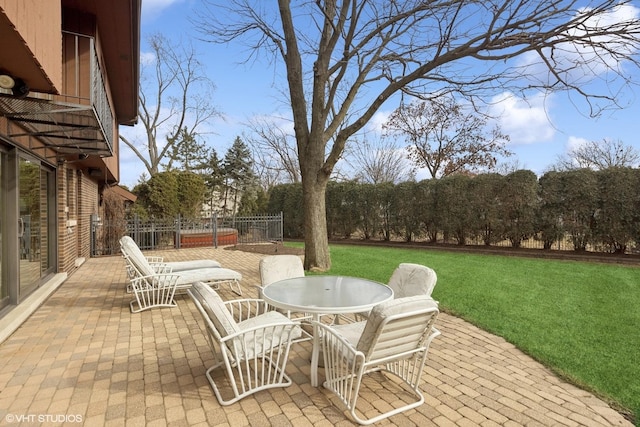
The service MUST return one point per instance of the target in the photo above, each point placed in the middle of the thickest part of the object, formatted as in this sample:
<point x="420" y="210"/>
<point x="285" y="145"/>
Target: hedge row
<point x="595" y="209"/>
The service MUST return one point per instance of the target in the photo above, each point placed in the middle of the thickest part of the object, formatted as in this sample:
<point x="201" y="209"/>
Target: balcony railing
<point x="80" y="119"/>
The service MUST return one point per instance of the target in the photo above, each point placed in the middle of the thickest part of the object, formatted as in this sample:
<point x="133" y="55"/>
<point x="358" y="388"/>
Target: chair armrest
<point x="160" y="267"/>
<point x="341" y="358"/>
<point x="246" y="308"/>
<point x="143" y="283"/>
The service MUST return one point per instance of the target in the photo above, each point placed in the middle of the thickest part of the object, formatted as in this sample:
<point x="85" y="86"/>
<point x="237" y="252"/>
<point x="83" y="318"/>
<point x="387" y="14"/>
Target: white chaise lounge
<point x="145" y="275"/>
<point x="175" y="265"/>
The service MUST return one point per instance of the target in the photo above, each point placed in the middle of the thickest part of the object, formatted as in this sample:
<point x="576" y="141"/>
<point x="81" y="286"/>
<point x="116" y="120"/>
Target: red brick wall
<point x="78" y="193"/>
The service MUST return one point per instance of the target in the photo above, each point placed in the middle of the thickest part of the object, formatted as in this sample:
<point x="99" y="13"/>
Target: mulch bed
<point x="267" y="249"/>
<point x="277" y="248"/>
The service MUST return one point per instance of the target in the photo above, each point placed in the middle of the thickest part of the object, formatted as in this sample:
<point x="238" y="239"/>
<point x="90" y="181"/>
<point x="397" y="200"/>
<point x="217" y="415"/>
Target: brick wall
<point x="77" y="200"/>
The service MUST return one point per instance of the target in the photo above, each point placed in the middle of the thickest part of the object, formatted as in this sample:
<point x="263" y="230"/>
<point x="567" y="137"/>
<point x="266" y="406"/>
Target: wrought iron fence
<point x="182" y="233"/>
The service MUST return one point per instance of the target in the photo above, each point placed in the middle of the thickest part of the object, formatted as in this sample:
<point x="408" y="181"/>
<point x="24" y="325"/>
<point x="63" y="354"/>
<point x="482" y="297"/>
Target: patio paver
<point x="83" y="359"/>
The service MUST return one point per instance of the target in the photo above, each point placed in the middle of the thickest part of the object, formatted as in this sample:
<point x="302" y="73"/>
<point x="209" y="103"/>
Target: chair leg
<point x="244" y="381"/>
<point x="234" y="285"/>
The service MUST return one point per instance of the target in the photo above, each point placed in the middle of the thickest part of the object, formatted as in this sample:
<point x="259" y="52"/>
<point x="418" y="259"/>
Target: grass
<point x="580" y="319"/>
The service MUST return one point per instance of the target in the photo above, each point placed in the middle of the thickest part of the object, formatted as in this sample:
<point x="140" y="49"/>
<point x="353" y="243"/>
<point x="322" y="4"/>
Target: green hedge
<point x="595" y="209"/>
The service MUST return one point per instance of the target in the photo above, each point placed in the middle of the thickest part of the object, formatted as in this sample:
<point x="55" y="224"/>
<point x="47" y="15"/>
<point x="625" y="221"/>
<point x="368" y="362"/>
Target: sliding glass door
<point x="34" y="228"/>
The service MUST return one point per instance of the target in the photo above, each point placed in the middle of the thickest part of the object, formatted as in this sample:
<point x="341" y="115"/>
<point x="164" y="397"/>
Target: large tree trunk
<point x="316" y="242"/>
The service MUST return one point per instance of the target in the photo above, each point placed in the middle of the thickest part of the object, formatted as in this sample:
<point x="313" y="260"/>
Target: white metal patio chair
<point x="140" y="267"/>
<point x="279" y="267"/>
<point x="412" y="279"/>
<point x="394" y="340"/>
<point x="409" y="280"/>
<point x="274" y="268"/>
<point x="250" y="344"/>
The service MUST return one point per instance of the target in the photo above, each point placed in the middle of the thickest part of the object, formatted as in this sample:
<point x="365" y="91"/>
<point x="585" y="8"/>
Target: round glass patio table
<point x="319" y="295"/>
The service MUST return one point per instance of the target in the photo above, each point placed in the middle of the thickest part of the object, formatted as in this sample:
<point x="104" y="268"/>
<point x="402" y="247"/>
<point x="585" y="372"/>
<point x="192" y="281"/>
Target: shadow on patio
<point x="84" y="357"/>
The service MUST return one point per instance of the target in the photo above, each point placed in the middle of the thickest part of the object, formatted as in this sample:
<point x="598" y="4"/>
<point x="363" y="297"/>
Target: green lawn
<point x="580" y="319"/>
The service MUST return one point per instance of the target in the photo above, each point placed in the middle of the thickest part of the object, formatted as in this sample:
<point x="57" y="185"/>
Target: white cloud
<point x="377" y="121"/>
<point x="153" y="8"/>
<point x="574" y="142"/>
<point x="581" y="63"/>
<point x="525" y="121"/>
<point x="147" y="58"/>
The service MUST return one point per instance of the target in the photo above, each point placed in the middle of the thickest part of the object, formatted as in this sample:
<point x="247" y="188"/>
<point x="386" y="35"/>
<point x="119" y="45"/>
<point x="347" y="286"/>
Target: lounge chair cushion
<point x="131" y="250"/>
<point x="179" y="266"/>
<point x="207" y="275"/>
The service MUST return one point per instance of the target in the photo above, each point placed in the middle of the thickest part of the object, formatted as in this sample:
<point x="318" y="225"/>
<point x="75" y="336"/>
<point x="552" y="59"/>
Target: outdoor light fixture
<point x="6" y="81"/>
<point x="17" y="86"/>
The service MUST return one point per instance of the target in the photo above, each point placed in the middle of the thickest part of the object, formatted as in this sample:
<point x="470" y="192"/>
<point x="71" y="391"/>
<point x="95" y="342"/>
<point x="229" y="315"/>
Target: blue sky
<point x="540" y="130"/>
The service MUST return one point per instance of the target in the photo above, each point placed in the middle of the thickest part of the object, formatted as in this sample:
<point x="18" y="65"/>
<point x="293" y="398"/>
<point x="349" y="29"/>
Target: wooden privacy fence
<point x="184" y="233"/>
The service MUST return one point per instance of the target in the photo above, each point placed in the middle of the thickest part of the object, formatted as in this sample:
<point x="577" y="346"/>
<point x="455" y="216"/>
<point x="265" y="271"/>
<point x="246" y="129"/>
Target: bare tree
<point x="345" y="58"/>
<point x="599" y="155"/>
<point x="447" y="140"/>
<point x="379" y="159"/>
<point x="274" y="152"/>
<point x="175" y="100"/>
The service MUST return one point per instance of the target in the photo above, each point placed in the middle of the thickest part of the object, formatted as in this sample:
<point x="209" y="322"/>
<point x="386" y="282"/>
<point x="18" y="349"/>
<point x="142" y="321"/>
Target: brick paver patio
<point x="84" y="359"/>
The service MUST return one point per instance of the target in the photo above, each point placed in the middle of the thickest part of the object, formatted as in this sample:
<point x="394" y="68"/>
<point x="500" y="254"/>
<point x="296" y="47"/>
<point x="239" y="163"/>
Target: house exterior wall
<point x="61" y="40"/>
<point x="75" y="210"/>
<point x="35" y="21"/>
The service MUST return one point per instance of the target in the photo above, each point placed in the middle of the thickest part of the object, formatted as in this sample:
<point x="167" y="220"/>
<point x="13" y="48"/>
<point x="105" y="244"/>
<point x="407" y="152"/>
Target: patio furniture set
<point x="360" y="327"/>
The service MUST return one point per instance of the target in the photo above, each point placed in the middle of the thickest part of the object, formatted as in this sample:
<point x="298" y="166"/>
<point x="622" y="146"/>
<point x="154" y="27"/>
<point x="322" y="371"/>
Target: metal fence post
<point x="215" y="230"/>
<point x="92" y="237"/>
<point x="178" y="227"/>
<point x="136" y="235"/>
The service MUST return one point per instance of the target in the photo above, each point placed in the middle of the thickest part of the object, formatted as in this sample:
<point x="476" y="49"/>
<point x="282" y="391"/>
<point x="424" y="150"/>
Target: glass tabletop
<point x="326" y="294"/>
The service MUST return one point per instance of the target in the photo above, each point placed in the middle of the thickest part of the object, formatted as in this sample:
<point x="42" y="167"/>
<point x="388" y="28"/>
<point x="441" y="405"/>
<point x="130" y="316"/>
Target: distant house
<point x="128" y="198"/>
<point x="69" y="76"/>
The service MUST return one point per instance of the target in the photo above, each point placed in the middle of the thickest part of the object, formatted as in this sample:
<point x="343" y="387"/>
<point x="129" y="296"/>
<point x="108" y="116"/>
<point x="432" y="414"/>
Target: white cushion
<point x="192" y="264"/>
<point x="268" y="318"/>
<point x="207" y="275"/>
<point x="412" y="279"/>
<point x="279" y="267"/>
<point x="351" y="332"/>
<point x="253" y="341"/>
<point x="131" y="250"/>
<point x="389" y="308"/>
<point x="222" y="319"/>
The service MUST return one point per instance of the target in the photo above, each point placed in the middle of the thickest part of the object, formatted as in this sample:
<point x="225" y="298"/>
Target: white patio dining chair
<point x="394" y="340"/>
<point x="409" y="280"/>
<point x="250" y="344"/>
<point x="412" y="279"/>
<point x="274" y="268"/>
<point x="279" y="267"/>
<point x="139" y="267"/>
